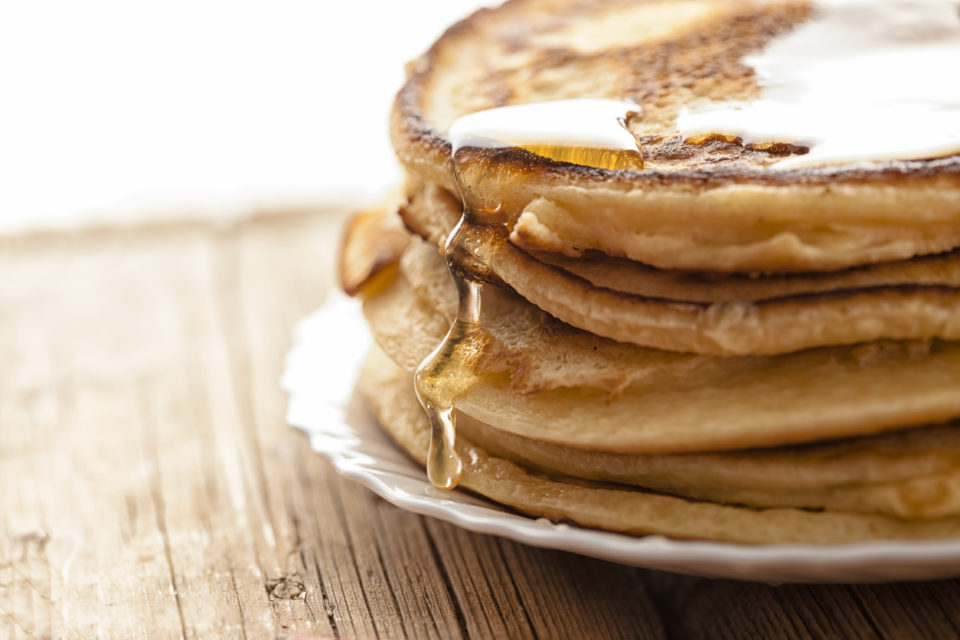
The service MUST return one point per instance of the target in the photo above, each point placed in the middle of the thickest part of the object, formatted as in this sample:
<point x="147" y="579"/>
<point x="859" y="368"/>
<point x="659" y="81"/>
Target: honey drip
<point x="601" y="141"/>
<point x="451" y="369"/>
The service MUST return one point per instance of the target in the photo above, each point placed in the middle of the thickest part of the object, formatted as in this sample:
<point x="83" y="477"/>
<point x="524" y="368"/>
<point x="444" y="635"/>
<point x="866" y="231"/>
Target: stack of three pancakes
<point x="690" y="334"/>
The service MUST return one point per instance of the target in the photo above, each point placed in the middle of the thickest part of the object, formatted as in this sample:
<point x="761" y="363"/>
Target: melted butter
<point x="861" y="80"/>
<point x="585" y="132"/>
<point x="589" y="132"/>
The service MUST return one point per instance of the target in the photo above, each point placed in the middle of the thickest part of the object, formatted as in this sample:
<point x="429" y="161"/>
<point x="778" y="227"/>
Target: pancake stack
<point x="710" y="332"/>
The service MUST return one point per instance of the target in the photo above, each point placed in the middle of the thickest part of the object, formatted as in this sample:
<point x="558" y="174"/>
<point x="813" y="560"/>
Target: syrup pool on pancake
<point x="589" y="132"/>
<point x="860" y="80"/>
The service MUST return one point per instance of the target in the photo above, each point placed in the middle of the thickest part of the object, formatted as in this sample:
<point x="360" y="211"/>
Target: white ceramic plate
<point x="319" y="377"/>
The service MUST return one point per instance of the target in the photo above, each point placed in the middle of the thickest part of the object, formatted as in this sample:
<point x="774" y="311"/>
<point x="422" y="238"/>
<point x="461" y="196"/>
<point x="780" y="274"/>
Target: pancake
<point x="886" y="278"/>
<point x="912" y="474"/>
<point x="616" y="508"/>
<point x="698" y="270"/>
<point x="709" y="312"/>
<point x="541" y="379"/>
<point x="431" y="212"/>
<point x="711" y="201"/>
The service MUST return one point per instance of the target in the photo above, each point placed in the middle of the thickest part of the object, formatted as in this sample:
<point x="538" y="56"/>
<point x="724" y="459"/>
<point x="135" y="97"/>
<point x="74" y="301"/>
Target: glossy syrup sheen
<point x="585" y="132"/>
<point x="600" y="158"/>
<point x="449" y="371"/>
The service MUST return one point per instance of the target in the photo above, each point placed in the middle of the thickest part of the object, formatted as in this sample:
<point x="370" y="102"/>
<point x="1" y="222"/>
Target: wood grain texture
<point x="149" y="487"/>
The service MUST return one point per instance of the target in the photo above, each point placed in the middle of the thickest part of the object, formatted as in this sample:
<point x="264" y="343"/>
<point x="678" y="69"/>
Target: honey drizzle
<point x="451" y="369"/>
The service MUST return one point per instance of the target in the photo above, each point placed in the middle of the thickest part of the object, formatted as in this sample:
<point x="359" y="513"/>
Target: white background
<point x="121" y="110"/>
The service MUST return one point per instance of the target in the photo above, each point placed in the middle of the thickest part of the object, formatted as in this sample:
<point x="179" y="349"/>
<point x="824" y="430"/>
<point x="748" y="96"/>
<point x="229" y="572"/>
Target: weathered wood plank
<point x="919" y="610"/>
<point x="341" y="585"/>
<point x="416" y="588"/>
<point x="86" y="482"/>
<point x="149" y="487"/>
<point x="587" y="598"/>
<point x="481" y="582"/>
<point x="703" y="608"/>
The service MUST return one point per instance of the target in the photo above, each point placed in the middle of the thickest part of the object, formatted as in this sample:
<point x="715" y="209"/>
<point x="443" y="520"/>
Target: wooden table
<point x="149" y="487"/>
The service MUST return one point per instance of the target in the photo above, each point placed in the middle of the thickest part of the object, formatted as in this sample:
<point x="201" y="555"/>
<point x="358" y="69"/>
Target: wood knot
<point x="286" y="589"/>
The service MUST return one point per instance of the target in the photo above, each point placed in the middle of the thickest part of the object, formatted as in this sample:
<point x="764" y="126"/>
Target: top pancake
<point x="713" y="205"/>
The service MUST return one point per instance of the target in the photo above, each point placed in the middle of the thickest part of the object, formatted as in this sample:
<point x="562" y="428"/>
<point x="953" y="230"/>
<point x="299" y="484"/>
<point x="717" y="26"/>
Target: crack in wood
<point x="156" y="492"/>
<point x="516" y="590"/>
<point x="236" y="593"/>
<point x="457" y="607"/>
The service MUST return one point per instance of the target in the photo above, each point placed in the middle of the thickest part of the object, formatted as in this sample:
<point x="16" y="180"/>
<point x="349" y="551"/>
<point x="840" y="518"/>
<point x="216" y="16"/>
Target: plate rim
<point x="875" y="561"/>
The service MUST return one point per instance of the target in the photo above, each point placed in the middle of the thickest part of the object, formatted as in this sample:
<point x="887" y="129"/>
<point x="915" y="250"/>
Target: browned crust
<point x="432" y="143"/>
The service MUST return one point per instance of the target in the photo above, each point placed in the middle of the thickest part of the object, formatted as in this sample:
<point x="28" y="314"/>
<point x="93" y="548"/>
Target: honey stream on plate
<point x="583" y="132"/>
